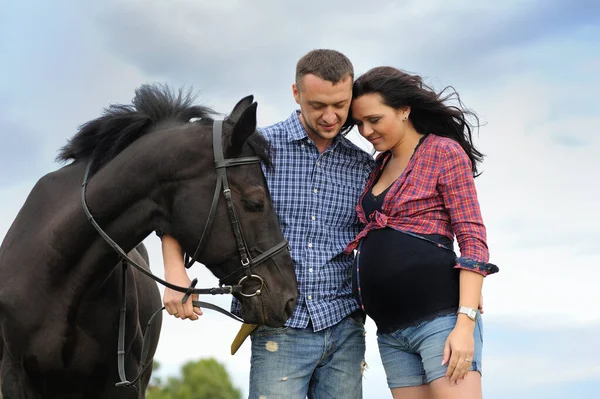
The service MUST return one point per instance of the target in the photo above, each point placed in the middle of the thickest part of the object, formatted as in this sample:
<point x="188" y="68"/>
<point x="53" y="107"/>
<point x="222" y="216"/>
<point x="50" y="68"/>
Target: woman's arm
<point x="457" y="187"/>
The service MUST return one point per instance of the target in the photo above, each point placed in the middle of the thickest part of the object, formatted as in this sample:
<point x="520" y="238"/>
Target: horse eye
<point x="253" y="205"/>
<point x="253" y="199"/>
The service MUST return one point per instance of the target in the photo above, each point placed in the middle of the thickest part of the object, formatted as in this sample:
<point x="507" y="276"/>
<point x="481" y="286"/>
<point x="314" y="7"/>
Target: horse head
<point x="156" y="159"/>
<point x="273" y="277"/>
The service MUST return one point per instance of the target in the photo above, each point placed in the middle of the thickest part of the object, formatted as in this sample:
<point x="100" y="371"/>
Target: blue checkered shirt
<point x="315" y="197"/>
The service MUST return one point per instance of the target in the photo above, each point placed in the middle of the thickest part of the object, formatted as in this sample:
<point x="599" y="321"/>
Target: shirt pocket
<point x="418" y="187"/>
<point x="290" y="198"/>
<point x="339" y="208"/>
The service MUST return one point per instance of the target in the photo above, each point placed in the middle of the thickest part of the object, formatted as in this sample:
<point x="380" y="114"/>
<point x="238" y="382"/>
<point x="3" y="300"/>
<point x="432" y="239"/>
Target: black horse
<point x="152" y="169"/>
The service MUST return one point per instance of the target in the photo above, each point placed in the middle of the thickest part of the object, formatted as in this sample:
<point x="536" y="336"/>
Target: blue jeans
<point x="293" y="363"/>
<point x="413" y="355"/>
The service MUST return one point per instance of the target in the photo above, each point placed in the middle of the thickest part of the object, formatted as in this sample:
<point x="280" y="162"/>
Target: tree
<point x="204" y="379"/>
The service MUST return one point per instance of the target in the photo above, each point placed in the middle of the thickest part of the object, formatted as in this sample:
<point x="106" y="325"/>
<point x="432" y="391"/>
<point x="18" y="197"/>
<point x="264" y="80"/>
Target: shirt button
<point x="302" y="145"/>
<point x="309" y="297"/>
<point x="310" y="270"/>
<point x="313" y="218"/>
<point x="310" y="244"/>
<point x="315" y="190"/>
<point x="318" y="163"/>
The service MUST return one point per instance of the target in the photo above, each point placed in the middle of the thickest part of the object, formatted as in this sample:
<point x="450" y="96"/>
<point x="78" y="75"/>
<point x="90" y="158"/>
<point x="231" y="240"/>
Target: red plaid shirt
<point x="434" y="195"/>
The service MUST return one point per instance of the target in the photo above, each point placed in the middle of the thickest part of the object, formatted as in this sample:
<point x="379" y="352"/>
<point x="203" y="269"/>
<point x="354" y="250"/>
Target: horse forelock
<point x="120" y="125"/>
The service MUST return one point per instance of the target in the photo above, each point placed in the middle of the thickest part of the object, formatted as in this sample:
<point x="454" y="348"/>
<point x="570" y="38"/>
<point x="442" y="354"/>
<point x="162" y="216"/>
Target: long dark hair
<point x="429" y="111"/>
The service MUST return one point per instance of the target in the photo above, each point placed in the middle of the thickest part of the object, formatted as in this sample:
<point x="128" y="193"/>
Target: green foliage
<point x="204" y="379"/>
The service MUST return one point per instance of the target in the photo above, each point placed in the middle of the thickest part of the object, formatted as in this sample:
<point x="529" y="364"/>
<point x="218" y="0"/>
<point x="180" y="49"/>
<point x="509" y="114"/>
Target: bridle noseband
<point x="246" y="259"/>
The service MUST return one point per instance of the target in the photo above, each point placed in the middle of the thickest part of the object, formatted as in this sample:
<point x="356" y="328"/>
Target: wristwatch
<point x="470" y="312"/>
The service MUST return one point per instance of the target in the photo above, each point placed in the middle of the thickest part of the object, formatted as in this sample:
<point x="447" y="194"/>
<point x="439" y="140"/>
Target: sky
<point x="528" y="68"/>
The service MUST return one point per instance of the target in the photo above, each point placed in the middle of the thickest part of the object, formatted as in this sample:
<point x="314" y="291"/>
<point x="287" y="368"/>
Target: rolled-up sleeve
<point x="457" y="186"/>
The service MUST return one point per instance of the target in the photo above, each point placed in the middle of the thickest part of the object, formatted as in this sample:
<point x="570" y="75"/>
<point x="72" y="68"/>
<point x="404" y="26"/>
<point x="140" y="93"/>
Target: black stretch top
<point x="404" y="279"/>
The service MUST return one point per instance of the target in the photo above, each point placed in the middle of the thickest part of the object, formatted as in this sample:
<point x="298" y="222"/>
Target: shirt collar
<point x="297" y="132"/>
<point x="295" y="129"/>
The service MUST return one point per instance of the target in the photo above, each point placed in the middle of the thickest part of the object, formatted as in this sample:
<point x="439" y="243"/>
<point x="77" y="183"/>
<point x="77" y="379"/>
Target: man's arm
<point x="175" y="273"/>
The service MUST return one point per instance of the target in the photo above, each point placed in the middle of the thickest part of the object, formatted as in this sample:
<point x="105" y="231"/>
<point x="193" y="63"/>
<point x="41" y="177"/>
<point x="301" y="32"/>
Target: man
<point x="315" y="184"/>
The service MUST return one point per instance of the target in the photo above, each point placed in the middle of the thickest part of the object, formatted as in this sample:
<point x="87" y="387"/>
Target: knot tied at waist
<point x="377" y="220"/>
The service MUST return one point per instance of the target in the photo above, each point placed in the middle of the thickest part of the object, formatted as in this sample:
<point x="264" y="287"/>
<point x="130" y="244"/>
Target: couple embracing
<point x="370" y="237"/>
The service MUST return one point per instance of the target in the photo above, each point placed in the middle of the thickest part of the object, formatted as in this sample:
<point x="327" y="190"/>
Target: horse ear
<point x="240" y="107"/>
<point x="244" y="127"/>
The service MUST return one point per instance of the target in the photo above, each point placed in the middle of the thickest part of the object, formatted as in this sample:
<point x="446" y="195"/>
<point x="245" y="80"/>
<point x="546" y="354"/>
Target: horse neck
<point x="121" y="203"/>
<point x="129" y="193"/>
<point x="128" y="198"/>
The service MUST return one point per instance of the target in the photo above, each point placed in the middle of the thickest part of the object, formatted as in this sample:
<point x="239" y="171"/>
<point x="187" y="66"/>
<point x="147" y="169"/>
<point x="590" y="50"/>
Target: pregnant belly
<point x="404" y="277"/>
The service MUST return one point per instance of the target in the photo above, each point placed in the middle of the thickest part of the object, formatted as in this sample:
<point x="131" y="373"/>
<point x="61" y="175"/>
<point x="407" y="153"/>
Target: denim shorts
<point x="413" y="355"/>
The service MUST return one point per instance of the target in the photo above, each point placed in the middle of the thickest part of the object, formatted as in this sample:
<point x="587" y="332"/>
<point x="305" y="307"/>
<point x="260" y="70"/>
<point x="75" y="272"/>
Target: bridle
<point x="246" y="259"/>
<point x="221" y="165"/>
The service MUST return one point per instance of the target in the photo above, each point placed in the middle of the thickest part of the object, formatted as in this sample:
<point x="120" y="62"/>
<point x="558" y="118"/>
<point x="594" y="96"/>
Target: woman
<point x="421" y="194"/>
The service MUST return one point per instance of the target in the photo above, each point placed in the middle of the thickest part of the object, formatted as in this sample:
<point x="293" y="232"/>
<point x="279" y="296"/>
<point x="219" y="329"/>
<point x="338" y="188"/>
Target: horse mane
<point x="120" y="125"/>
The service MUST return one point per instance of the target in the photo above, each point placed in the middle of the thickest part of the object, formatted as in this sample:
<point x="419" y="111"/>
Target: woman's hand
<point x="460" y="345"/>
<point x="459" y="350"/>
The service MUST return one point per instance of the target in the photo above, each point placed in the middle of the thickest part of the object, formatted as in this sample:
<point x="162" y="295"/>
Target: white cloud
<point x="538" y="358"/>
<point x="537" y="198"/>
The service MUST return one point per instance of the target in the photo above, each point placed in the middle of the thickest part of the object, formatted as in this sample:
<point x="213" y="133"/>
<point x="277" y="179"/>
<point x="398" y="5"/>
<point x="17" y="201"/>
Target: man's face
<point x="324" y="106"/>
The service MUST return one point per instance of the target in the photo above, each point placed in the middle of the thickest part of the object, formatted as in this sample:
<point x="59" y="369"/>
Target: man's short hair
<point x="330" y="65"/>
